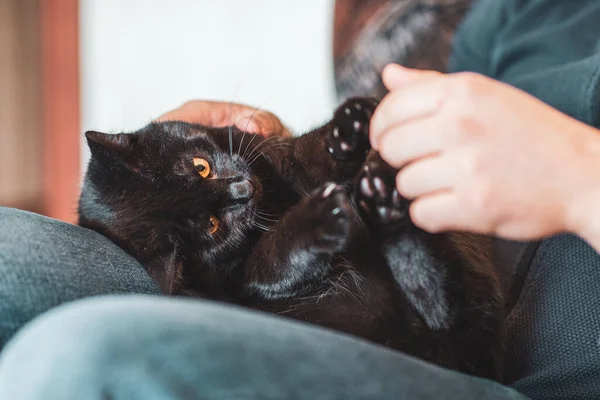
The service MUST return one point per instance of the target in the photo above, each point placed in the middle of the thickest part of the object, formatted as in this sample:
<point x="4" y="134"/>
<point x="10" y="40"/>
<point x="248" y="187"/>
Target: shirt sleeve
<point x="548" y="48"/>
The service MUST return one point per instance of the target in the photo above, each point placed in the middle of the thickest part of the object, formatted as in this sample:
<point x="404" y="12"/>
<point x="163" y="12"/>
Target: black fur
<point x="344" y="255"/>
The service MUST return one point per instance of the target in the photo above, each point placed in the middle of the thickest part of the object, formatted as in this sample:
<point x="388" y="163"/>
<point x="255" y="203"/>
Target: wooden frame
<point x="20" y="92"/>
<point x="59" y="29"/>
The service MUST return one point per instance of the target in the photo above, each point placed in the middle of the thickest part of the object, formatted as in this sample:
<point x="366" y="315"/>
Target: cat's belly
<point x="359" y="297"/>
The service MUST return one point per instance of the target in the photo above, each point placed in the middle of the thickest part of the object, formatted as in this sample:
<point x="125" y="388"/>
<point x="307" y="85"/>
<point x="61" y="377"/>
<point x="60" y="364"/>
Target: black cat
<point x="309" y="227"/>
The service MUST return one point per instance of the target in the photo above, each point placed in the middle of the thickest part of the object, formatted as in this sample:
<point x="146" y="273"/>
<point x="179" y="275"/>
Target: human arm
<point x="482" y="156"/>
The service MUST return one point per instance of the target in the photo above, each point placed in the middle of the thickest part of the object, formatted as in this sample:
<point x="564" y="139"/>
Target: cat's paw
<point x="348" y="140"/>
<point x="377" y="198"/>
<point x="328" y="216"/>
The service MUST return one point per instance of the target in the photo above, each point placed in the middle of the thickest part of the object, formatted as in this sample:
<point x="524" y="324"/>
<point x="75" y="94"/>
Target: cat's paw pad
<point x="332" y="221"/>
<point x="348" y="139"/>
<point x="377" y="198"/>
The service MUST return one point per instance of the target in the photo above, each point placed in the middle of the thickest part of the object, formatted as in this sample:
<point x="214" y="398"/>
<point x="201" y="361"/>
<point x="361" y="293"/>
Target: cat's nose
<point x="241" y="192"/>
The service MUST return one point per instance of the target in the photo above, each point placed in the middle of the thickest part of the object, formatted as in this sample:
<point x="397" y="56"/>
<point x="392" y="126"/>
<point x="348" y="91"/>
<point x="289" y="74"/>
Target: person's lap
<point x="172" y="348"/>
<point x="152" y="348"/>
<point x="44" y="263"/>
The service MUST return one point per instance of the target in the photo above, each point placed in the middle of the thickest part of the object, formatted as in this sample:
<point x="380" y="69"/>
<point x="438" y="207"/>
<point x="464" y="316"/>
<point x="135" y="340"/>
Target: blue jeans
<point x="148" y="347"/>
<point x="134" y="344"/>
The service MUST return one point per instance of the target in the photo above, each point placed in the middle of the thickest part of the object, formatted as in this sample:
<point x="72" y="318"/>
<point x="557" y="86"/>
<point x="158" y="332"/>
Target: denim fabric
<point x="157" y="349"/>
<point x="44" y="263"/>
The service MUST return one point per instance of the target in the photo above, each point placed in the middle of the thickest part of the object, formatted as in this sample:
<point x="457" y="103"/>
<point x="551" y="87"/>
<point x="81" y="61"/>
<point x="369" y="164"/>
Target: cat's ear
<point x="121" y="143"/>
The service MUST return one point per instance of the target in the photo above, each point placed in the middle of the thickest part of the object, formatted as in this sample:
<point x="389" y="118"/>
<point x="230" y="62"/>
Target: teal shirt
<point x="548" y="48"/>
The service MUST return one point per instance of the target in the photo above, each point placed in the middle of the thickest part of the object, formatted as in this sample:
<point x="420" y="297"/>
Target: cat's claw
<point x="331" y="228"/>
<point x="329" y="189"/>
<point x="348" y="140"/>
<point x="378" y="200"/>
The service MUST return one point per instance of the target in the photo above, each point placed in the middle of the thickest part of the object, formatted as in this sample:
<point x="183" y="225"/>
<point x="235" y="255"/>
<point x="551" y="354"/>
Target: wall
<point x="143" y="57"/>
<point x="20" y="139"/>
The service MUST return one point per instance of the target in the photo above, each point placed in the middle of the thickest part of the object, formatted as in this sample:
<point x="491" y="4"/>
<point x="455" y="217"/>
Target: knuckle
<point x="464" y="127"/>
<point x="467" y="84"/>
<point x="396" y="101"/>
<point x="189" y="104"/>
<point x="473" y="164"/>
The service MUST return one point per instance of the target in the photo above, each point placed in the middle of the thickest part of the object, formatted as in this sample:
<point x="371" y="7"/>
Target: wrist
<point x="583" y="200"/>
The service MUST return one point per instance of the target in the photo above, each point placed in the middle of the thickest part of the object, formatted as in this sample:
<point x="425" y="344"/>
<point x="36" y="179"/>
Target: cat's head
<point x="169" y="192"/>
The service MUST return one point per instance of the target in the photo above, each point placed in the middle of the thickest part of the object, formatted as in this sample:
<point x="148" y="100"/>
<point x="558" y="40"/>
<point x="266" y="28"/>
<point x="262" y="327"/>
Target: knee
<point x="73" y="352"/>
<point x="122" y="345"/>
<point x="44" y="263"/>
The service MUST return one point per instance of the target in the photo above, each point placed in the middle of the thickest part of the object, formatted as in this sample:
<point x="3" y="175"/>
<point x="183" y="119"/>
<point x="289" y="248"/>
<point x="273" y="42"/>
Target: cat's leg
<point x="334" y="152"/>
<point x="298" y="250"/>
<point x="447" y="278"/>
<point x="407" y="250"/>
<point x="347" y="135"/>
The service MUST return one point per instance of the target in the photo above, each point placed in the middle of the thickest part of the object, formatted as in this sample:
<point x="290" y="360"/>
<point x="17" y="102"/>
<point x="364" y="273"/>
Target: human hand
<point x="482" y="156"/>
<point x="220" y="114"/>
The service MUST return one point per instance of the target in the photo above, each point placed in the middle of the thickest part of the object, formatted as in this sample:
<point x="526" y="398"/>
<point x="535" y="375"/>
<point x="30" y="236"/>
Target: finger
<point x="404" y="143"/>
<point x="417" y="100"/>
<point x="441" y="211"/>
<point x="262" y="122"/>
<point x="221" y="114"/>
<point x="397" y="76"/>
<point x="209" y="113"/>
<point x="426" y="176"/>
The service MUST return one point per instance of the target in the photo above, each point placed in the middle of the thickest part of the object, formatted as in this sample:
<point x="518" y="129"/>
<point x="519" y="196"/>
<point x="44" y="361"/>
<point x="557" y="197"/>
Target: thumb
<point x="396" y="76"/>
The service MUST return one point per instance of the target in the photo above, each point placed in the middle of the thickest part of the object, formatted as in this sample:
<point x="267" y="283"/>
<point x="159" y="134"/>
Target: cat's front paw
<point x="378" y="200"/>
<point x="348" y="140"/>
<point x="327" y="218"/>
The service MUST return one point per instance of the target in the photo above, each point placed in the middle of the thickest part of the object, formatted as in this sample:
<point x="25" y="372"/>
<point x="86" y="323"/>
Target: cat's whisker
<point x="269" y="148"/>
<point x="303" y="191"/>
<point x="244" y="156"/>
<point x="230" y="131"/>
<point x="248" y="124"/>
<point x="291" y="309"/>
<point x="260" y="226"/>
<point x="261" y="211"/>
<point x="264" y="143"/>
<point x="249" y="143"/>
<point x="266" y="214"/>
<point x="266" y="219"/>
<point x="254" y="150"/>
<point x="237" y="86"/>
<point x="258" y="156"/>
<point x="248" y="146"/>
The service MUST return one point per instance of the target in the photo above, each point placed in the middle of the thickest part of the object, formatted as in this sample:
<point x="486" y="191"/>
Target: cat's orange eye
<point x="213" y="224"/>
<point x="202" y="166"/>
